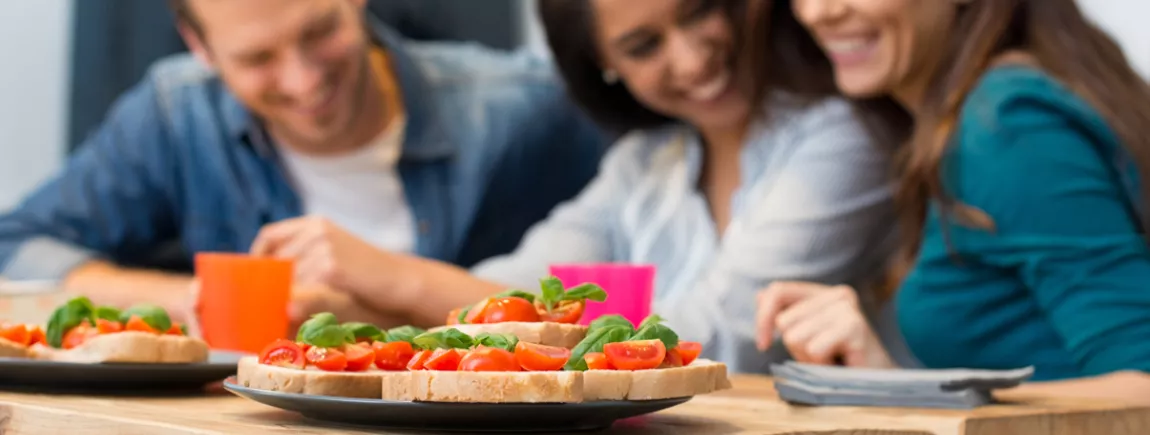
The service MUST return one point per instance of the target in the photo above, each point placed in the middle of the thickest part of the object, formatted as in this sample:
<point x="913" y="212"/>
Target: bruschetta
<point x="81" y="332"/>
<point x="549" y="318"/>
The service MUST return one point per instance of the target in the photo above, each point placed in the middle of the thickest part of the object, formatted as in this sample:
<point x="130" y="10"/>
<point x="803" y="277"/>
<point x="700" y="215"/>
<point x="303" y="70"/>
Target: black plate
<point x="470" y="417"/>
<point x="29" y="374"/>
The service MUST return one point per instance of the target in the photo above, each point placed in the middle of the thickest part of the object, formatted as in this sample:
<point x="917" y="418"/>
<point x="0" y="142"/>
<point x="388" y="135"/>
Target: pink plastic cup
<point x="629" y="288"/>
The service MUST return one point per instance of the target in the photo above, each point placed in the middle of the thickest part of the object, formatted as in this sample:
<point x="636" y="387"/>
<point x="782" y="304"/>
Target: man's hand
<point x="324" y="254"/>
<point x="819" y="324"/>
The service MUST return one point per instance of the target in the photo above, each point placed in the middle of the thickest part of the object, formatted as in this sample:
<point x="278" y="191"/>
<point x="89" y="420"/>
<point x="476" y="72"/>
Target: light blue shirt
<point x="814" y="205"/>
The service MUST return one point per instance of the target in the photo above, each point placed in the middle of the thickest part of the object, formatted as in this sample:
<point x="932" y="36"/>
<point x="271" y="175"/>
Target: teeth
<point x="710" y="90"/>
<point x="847" y="45"/>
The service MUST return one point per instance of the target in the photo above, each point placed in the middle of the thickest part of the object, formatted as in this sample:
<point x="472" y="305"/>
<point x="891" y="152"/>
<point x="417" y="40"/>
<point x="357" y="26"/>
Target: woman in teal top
<point x="1019" y="189"/>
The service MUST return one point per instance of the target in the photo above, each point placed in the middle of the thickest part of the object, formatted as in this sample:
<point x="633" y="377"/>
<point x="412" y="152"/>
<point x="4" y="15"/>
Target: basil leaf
<point x="66" y="317"/>
<point x="584" y="292"/>
<point x="403" y="333"/>
<point x="609" y="320"/>
<point x="364" y="330"/>
<point x="184" y="329"/>
<point x="154" y="316"/>
<point x="447" y="339"/>
<point x="657" y="331"/>
<point x="316" y="321"/>
<point x="650" y="320"/>
<point x="552" y="291"/>
<point x="328" y="336"/>
<point x="462" y="318"/>
<point x="517" y="294"/>
<point x="502" y="341"/>
<point x="108" y="313"/>
<point x="594" y="343"/>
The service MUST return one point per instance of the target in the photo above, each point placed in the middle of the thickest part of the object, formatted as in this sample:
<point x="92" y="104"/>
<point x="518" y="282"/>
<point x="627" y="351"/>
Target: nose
<point x="811" y="12"/>
<point x="300" y="75"/>
<point x="690" y="56"/>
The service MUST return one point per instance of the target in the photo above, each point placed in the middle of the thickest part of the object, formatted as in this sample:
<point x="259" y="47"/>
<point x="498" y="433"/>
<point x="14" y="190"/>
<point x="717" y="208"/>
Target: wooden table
<point x="751" y="407"/>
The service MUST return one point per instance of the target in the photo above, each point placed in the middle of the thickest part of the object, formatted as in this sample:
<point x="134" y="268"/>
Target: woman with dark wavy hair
<point x="1020" y="194"/>
<point x="725" y="181"/>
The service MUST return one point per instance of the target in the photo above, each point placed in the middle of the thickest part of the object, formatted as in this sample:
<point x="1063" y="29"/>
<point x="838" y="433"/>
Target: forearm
<point x="427" y="290"/>
<point x="108" y="284"/>
<point x="1128" y="387"/>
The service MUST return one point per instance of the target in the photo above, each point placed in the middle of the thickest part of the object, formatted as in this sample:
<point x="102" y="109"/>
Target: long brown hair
<point x="1066" y="45"/>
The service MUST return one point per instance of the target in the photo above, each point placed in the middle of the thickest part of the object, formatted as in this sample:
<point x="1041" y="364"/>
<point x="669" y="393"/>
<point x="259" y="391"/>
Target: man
<point x="292" y="109"/>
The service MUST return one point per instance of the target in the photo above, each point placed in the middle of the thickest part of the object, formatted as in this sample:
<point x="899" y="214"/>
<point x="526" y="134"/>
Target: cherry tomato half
<point x="453" y="317"/>
<point x="689" y="350"/>
<point x="418" y="360"/>
<point x="36" y="335"/>
<point x="359" y="357"/>
<point x="489" y="359"/>
<point x="392" y="356"/>
<point x="635" y="355"/>
<point x="176" y="329"/>
<point x="78" y="335"/>
<point x="283" y="353"/>
<point x="137" y="324"/>
<point x="597" y="361"/>
<point x="672" y="360"/>
<point x="105" y="326"/>
<point x="477" y="311"/>
<point x="539" y="358"/>
<point x="326" y="359"/>
<point x="443" y="360"/>
<point x="566" y="312"/>
<point x="510" y="310"/>
<point x="17" y="333"/>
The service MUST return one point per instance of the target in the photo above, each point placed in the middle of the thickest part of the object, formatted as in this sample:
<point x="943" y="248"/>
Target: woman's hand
<point x="819" y="324"/>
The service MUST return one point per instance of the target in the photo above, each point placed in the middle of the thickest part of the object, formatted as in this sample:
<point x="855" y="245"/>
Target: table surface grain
<point x="750" y="407"/>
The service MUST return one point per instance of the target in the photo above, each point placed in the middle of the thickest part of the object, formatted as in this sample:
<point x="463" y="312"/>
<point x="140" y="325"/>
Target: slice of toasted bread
<point x="546" y="333"/>
<point x="312" y="381"/>
<point x="11" y="349"/>
<point x="498" y="387"/>
<point x="700" y="377"/>
<point x="129" y="347"/>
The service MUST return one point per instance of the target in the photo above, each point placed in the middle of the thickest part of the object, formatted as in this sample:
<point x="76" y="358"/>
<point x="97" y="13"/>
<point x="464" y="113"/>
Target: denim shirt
<point x="180" y="166"/>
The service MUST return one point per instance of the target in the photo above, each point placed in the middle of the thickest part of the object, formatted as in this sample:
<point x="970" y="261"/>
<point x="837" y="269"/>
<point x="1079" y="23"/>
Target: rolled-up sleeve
<point x="110" y="198"/>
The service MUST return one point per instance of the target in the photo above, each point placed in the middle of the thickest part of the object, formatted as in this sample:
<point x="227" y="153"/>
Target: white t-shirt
<point x="361" y="192"/>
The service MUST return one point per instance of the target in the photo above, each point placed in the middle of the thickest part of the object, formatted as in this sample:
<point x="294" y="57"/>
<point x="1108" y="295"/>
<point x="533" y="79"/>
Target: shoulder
<point x="180" y="83"/>
<point x="827" y="124"/>
<point x="1011" y="101"/>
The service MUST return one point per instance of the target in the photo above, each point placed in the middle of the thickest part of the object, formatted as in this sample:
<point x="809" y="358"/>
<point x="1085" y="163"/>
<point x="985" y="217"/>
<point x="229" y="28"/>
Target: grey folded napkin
<point x="842" y="386"/>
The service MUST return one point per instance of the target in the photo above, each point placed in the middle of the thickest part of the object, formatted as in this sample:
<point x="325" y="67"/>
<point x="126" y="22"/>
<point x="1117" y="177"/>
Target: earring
<point x="610" y="76"/>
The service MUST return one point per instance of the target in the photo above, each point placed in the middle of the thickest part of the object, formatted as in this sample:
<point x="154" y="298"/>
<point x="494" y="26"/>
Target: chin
<point x="855" y="88"/>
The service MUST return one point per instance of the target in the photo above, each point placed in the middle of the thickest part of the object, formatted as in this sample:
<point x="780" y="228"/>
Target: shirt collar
<point x="423" y="139"/>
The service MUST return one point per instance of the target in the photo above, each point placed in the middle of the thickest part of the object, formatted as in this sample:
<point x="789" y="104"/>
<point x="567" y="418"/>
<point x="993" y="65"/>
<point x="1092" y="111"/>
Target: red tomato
<point x="304" y="346"/>
<point x="359" y="357"/>
<point x="597" y="361"/>
<point x="138" y="324"/>
<point x="477" y="311"/>
<point x="36" y="335"/>
<point x="176" y="329"/>
<point x="539" y="358"/>
<point x="565" y="312"/>
<point x="108" y="326"/>
<point x="418" y="360"/>
<point x="489" y="359"/>
<point x="510" y="310"/>
<point x="326" y="359"/>
<point x="672" y="360"/>
<point x="16" y="333"/>
<point x="283" y="353"/>
<point x="453" y="317"/>
<point x="392" y="356"/>
<point x="689" y="350"/>
<point x="443" y="360"/>
<point x="78" y="335"/>
<point x="635" y="355"/>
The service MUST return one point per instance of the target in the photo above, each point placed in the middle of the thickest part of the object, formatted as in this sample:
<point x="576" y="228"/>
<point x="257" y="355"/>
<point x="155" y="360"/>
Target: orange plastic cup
<point x="243" y="300"/>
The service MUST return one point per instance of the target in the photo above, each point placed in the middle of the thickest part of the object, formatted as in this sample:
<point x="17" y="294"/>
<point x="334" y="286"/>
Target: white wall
<point x="1126" y="20"/>
<point x="34" y="43"/>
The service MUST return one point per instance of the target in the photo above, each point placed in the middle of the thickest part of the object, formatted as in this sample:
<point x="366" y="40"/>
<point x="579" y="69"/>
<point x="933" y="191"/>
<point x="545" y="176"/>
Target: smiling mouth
<point x="712" y="89"/>
<point x="849" y="50"/>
